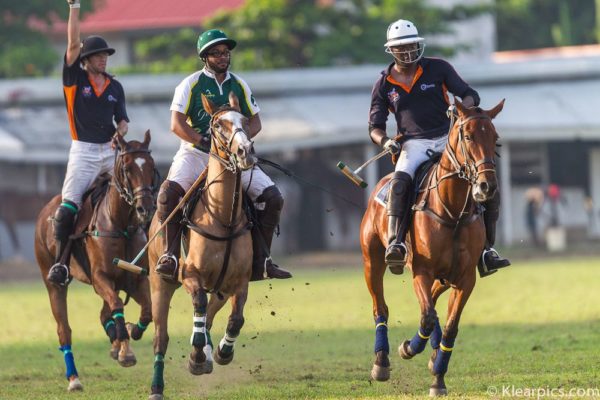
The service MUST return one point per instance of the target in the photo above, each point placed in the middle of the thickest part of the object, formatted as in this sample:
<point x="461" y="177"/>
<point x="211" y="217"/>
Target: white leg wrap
<point x="199" y="329"/>
<point x="227" y="341"/>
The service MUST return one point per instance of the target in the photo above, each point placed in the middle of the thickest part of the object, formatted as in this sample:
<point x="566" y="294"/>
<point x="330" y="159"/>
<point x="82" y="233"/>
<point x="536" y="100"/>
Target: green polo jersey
<point x="188" y="100"/>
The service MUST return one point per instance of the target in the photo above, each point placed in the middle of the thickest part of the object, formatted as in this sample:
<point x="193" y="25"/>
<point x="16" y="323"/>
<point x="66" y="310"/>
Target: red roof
<point x="120" y="15"/>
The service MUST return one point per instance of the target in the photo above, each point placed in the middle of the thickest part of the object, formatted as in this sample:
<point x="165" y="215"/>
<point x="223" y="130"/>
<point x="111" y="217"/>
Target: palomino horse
<point x="446" y="238"/>
<point x="113" y="228"/>
<point x="219" y="260"/>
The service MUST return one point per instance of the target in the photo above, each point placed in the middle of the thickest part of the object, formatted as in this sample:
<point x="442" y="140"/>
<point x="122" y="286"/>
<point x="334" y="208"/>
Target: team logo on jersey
<point x="112" y="98"/>
<point x="208" y="93"/>
<point x="393" y="95"/>
<point x="425" y="86"/>
<point x="86" y="91"/>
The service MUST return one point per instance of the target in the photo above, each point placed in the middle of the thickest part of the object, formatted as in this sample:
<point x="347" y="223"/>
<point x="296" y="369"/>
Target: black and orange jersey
<point x="92" y="110"/>
<point x="420" y="110"/>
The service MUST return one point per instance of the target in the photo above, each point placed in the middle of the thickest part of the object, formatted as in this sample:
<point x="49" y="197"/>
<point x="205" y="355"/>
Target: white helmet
<point x="403" y="32"/>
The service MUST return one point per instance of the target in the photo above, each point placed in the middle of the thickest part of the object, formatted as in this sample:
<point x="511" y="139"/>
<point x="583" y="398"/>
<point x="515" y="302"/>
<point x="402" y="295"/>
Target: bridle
<point x="129" y="194"/>
<point x="224" y="143"/>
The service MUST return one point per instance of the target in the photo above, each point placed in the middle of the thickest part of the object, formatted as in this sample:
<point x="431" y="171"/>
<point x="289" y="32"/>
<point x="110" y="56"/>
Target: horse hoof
<point x="114" y="351"/>
<point x="205" y="367"/>
<point x="434" y="392"/>
<point x="127" y="360"/>
<point x="404" y="350"/>
<point x="380" y="374"/>
<point x="222" y="359"/>
<point x="75" y="385"/>
<point x="155" y="397"/>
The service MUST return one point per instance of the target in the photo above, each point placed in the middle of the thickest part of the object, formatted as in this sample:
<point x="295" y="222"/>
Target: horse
<point x="113" y="227"/>
<point x="445" y="237"/>
<point x="219" y="256"/>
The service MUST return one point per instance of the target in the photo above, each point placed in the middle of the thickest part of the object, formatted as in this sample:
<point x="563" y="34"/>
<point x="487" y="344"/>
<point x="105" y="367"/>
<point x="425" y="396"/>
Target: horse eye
<point x="468" y="138"/>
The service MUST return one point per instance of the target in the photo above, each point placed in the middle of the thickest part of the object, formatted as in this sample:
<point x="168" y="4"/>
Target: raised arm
<point x="73" y="39"/>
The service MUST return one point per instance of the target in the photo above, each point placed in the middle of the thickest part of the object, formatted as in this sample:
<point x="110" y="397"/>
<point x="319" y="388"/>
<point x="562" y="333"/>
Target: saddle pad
<point x="382" y="194"/>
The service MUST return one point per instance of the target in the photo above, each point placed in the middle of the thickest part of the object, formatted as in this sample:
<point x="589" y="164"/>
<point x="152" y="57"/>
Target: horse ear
<point x="496" y="110"/>
<point x="234" y="101"/>
<point x="146" y="138"/>
<point x="462" y="110"/>
<point x="209" y="106"/>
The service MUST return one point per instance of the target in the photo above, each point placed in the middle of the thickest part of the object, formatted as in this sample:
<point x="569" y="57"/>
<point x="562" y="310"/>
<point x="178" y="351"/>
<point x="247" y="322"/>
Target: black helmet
<point x="94" y="45"/>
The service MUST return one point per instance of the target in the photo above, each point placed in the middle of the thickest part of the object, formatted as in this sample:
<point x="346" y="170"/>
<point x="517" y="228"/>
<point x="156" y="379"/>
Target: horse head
<point x="135" y="176"/>
<point x="472" y="141"/>
<point x="230" y="141"/>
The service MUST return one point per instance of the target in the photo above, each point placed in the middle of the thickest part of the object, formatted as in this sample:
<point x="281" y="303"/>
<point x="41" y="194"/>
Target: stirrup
<point x="164" y="259"/>
<point x="487" y="270"/>
<point x="54" y="270"/>
<point x="395" y="264"/>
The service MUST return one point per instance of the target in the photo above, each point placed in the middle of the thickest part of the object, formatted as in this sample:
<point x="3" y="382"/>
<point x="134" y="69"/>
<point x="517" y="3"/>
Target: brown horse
<point x="445" y="238"/>
<point x="113" y="228"/>
<point x="219" y="260"/>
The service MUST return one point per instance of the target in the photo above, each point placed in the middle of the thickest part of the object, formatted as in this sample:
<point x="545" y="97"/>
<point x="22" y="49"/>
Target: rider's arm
<point x="459" y="87"/>
<point x="378" y="136"/>
<point x="180" y="127"/>
<point x="122" y="128"/>
<point x="73" y="39"/>
<point x="254" y="125"/>
<point x="378" y="114"/>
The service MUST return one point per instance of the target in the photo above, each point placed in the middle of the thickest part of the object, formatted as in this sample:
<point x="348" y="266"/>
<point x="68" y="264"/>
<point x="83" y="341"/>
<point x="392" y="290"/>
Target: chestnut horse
<point x="445" y="238"/>
<point x="219" y="259"/>
<point x="114" y="228"/>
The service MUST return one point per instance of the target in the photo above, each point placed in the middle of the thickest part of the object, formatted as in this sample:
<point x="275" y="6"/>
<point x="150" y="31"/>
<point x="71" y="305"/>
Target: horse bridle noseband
<point x="124" y="188"/>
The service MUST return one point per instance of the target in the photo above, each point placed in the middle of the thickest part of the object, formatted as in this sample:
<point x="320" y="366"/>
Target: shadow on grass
<point x="319" y="364"/>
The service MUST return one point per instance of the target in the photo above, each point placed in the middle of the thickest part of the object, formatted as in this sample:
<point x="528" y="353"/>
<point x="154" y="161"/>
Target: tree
<point x="26" y="50"/>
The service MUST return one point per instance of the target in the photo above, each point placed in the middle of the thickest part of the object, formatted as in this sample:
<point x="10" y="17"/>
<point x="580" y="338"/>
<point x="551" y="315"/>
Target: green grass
<point x="534" y="325"/>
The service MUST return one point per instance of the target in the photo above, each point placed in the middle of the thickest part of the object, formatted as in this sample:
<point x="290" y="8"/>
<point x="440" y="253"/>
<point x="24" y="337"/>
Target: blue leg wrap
<point x="440" y="366"/>
<point x="436" y="335"/>
<point x="159" y="367"/>
<point x="419" y="341"/>
<point x="69" y="361"/>
<point x="381" y="338"/>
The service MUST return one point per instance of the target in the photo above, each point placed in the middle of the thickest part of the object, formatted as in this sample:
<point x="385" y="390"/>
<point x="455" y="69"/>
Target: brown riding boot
<point x="262" y="236"/>
<point x="398" y="212"/>
<point x="168" y="199"/>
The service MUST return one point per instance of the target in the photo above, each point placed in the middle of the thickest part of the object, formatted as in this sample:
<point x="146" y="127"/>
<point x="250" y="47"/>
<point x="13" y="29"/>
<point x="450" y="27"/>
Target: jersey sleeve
<point x="70" y="72"/>
<point x="455" y="84"/>
<point x="248" y="103"/>
<point x="120" y="109"/>
<point x="378" y="113"/>
<point x="183" y="95"/>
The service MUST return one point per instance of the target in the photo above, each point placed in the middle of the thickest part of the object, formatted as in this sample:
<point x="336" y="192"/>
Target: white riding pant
<point x="189" y="163"/>
<point x="414" y="153"/>
<point x="86" y="162"/>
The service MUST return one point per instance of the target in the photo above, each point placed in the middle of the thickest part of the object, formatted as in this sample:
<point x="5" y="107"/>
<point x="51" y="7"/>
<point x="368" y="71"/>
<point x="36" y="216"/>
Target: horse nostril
<point x="141" y="210"/>
<point x="241" y="151"/>
<point x="484" y="187"/>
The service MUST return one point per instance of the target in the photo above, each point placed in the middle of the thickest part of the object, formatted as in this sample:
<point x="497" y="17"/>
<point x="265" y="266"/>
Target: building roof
<point x="131" y="15"/>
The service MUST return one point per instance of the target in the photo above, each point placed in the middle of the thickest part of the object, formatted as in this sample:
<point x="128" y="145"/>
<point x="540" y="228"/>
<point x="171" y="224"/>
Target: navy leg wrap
<point x="158" y="382"/>
<point x="440" y="366"/>
<point x="436" y="335"/>
<point x="381" y="337"/>
<point x="119" y="319"/>
<point x="110" y="329"/>
<point x="69" y="361"/>
<point x="419" y="341"/>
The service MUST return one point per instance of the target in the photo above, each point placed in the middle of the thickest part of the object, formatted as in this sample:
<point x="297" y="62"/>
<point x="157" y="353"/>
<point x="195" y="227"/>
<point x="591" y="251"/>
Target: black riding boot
<point x="262" y="236"/>
<point x="490" y="261"/>
<point x="398" y="213"/>
<point x="168" y="198"/>
<point x="63" y="223"/>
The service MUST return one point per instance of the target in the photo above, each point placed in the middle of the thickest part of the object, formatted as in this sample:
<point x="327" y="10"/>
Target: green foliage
<point x="26" y="50"/>
<point x="530" y="24"/>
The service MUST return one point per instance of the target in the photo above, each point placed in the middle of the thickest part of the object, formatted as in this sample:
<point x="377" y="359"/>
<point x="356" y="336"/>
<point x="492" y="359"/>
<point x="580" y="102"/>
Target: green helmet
<point x="212" y="38"/>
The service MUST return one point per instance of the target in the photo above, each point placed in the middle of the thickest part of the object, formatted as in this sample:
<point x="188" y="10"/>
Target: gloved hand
<point x="392" y="146"/>
<point x="73" y="3"/>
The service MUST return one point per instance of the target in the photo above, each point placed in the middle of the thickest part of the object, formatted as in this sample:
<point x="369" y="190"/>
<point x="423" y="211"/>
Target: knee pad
<point x="272" y="198"/>
<point x="400" y="183"/>
<point x="168" y="198"/>
<point x="64" y="219"/>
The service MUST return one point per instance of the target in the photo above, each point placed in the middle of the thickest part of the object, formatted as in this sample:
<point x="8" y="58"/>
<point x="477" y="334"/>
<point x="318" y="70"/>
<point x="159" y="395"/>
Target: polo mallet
<point x="131" y="267"/>
<point x="353" y="175"/>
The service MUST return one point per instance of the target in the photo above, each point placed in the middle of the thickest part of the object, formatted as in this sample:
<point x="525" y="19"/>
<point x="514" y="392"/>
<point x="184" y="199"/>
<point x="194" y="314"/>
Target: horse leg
<point x="162" y="292"/>
<point x="436" y="336"/>
<point x="374" y="269"/>
<point x="422" y="284"/>
<point x="108" y="323"/>
<point x="104" y="287"/>
<point x="58" y="303"/>
<point x="142" y="297"/>
<point x="200" y="361"/>
<point x="441" y="357"/>
<point x="223" y="354"/>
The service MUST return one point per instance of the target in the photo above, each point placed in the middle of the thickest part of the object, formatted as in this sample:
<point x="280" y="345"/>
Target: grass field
<point x="535" y="325"/>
